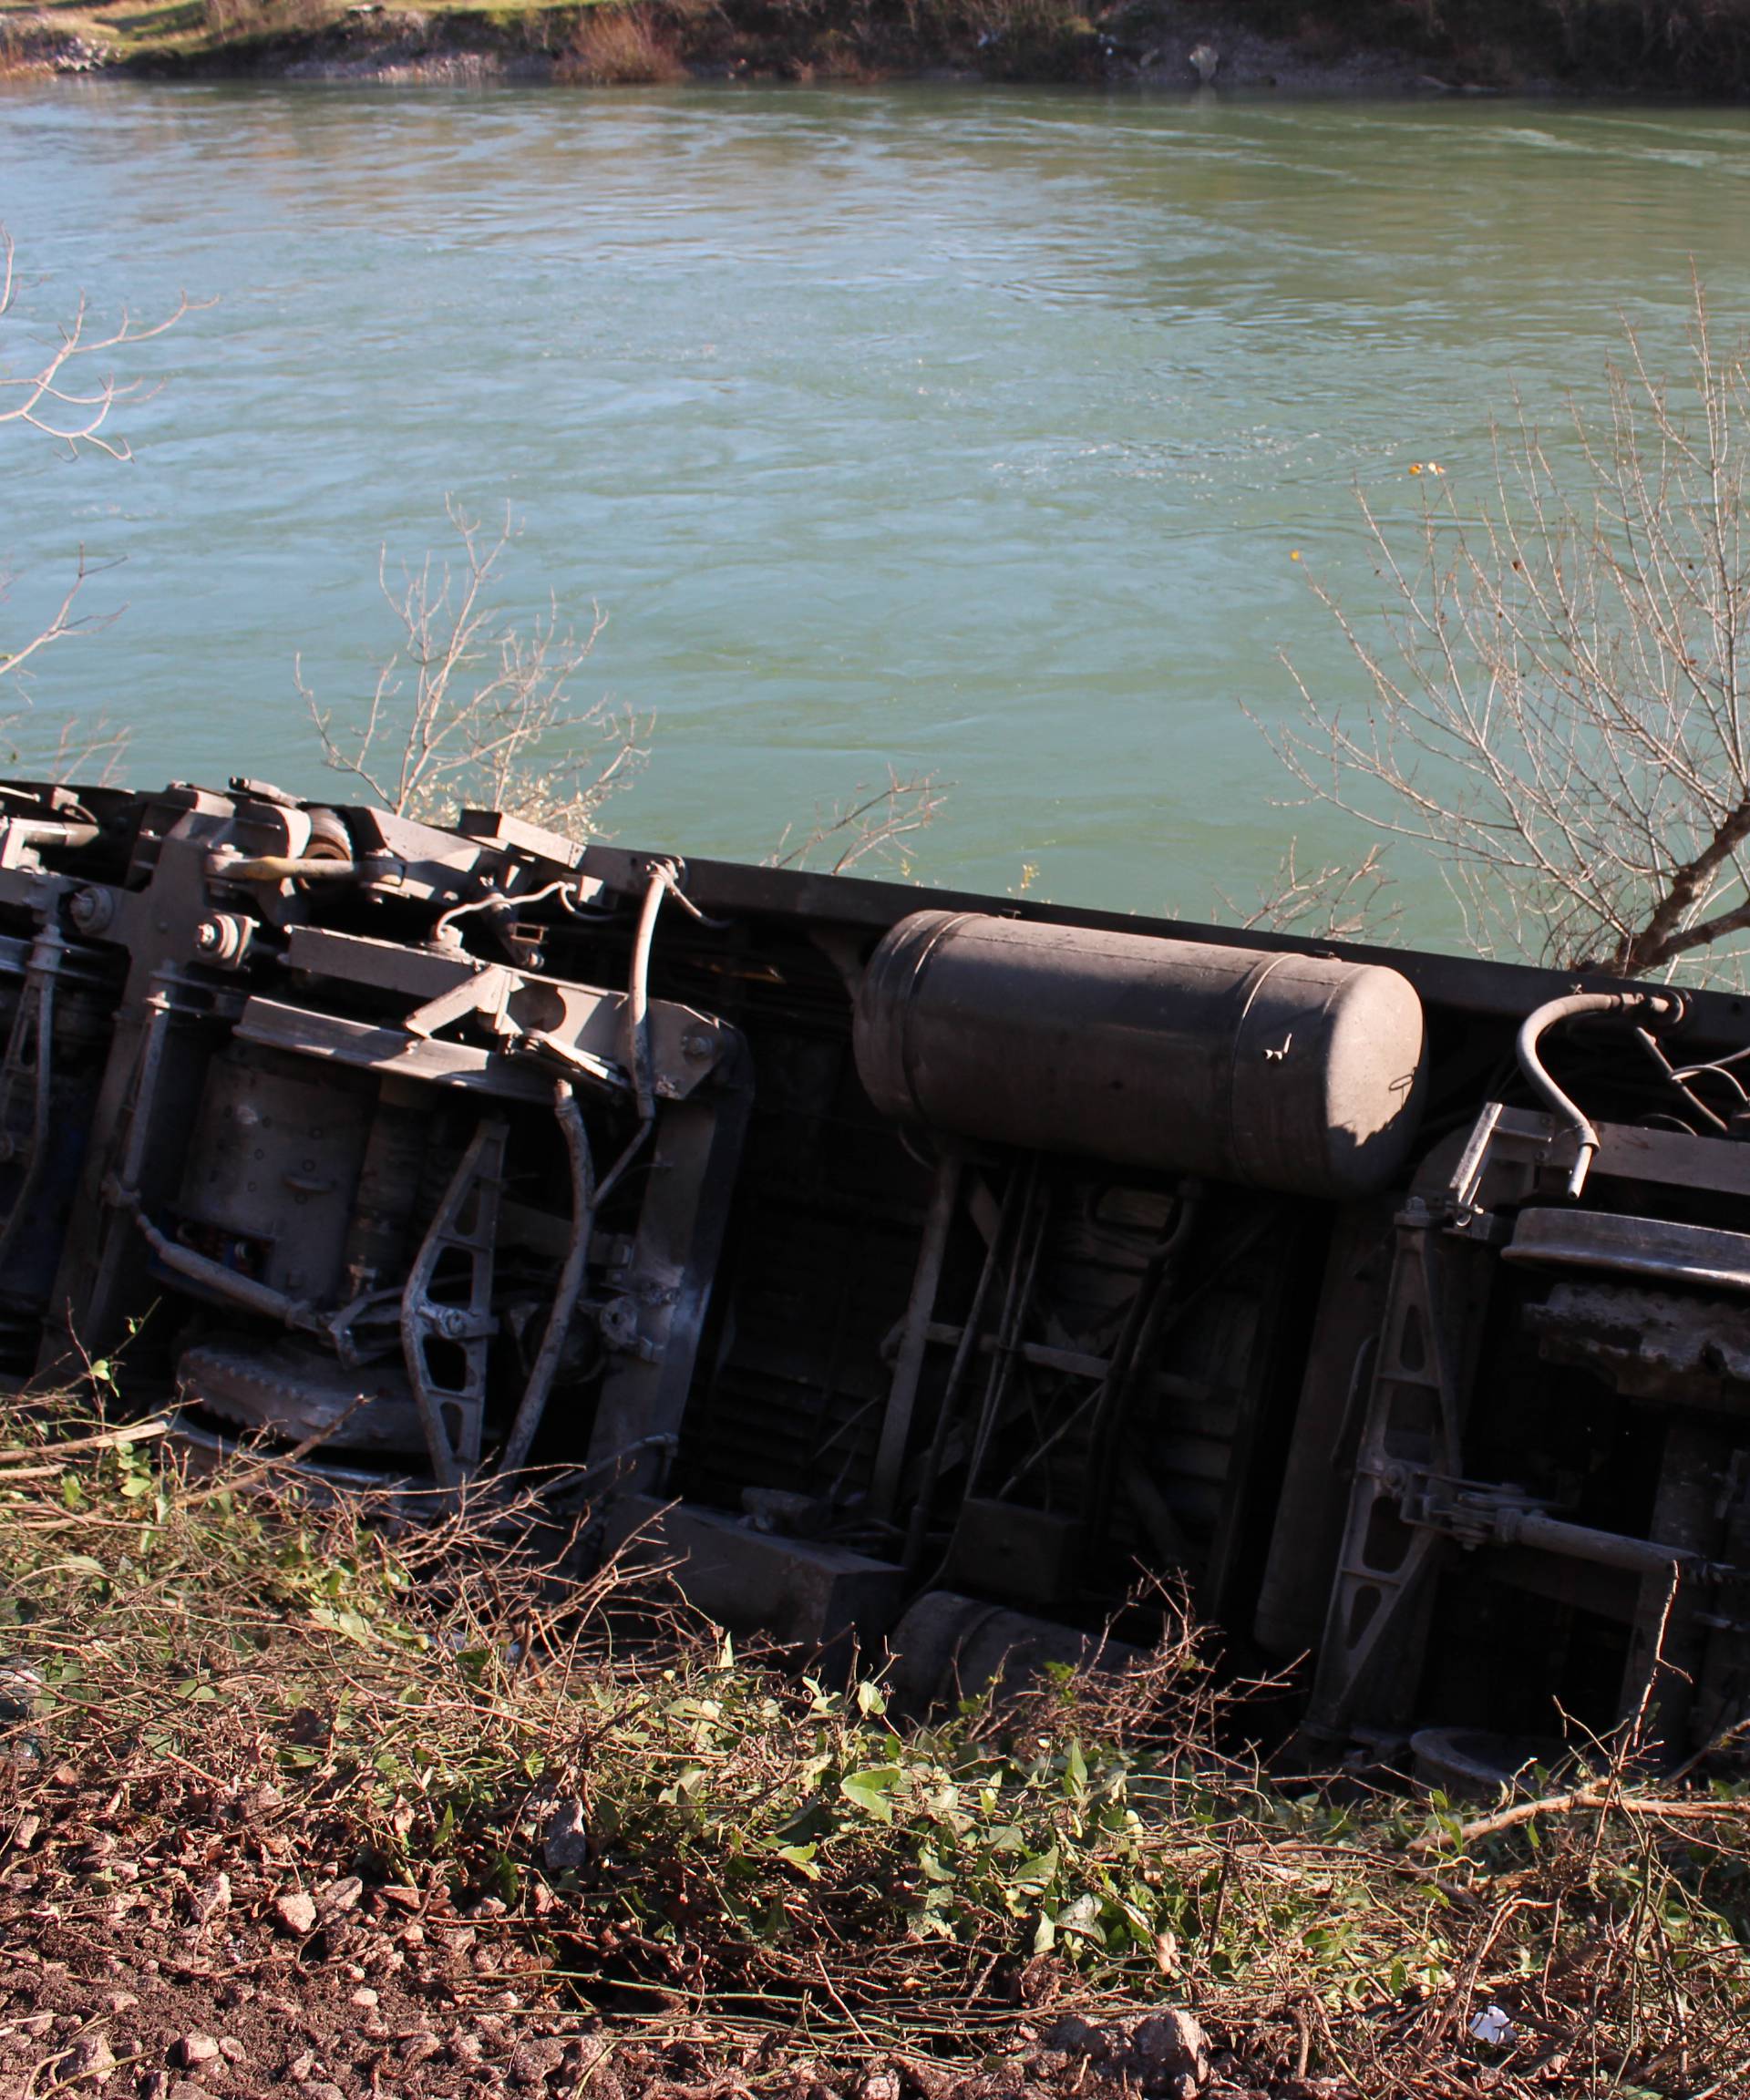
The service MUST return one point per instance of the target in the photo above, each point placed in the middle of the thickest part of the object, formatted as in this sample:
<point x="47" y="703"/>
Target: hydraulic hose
<point x="662" y="880"/>
<point x="1654" y="1006"/>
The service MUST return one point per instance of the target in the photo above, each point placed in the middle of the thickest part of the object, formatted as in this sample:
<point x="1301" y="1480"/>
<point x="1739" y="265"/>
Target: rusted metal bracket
<point x="1414" y="1421"/>
<point x="456" y="1327"/>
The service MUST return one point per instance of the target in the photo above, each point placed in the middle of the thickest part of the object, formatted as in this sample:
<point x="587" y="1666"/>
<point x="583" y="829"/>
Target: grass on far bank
<point x="347" y="1695"/>
<point x="174" y="32"/>
<point x="586" y="41"/>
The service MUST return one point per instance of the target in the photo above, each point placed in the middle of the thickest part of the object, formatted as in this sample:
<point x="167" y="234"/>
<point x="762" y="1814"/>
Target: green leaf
<point x="869" y="1789"/>
<point x="1081" y="1917"/>
<point x="933" y="1870"/>
<point x="1038" y="1872"/>
<point x="347" y="1624"/>
<point x="800" y="1856"/>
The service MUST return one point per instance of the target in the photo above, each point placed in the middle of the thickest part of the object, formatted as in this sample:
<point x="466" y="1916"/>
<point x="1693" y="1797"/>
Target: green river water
<point x="967" y="430"/>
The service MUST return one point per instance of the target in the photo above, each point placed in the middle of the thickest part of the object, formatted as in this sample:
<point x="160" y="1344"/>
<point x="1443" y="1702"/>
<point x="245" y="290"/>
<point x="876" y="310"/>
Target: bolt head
<point x="619" y="1323"/>
<point x="90" y="910"/>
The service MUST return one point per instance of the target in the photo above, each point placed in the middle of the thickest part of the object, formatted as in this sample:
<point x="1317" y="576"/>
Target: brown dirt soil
<point x="199" y="1955"/>
<point x="179" y="1958"/>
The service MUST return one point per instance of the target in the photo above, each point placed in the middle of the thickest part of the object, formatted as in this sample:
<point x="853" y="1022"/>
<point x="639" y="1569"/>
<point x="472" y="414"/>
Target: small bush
<point x="26" y="44"/>
<point x="233" y="21"/>
<point x="620" y="48"/>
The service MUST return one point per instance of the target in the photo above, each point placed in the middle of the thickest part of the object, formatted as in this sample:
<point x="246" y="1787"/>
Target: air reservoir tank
<point x="1291" y="1072"/>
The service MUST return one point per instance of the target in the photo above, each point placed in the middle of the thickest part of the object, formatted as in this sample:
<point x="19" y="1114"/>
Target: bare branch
<point x="1561" y="714"/>
<point x="469" y="709"/>
<point x="65" y="390"/>
<point x="1328" y="903"/>
<point x="58" y="391"/>
<point x="63" y="621"/>
<point x="871" y="822"/>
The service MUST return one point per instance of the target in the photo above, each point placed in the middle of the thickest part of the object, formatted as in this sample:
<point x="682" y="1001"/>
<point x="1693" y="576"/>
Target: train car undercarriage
<point x="925" y="1270"/>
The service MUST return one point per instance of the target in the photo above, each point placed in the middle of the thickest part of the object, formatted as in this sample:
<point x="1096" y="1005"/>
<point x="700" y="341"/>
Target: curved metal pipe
<point x="533" y="1403"/>
<point x="638" y="991"/>
<point x="245" y="1290"/>
<point x="637" y="1022"/>
<point x="1541" y="1021"/>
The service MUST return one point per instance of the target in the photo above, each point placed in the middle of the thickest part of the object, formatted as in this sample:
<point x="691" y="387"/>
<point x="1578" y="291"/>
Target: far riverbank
<point x="1685" y="47"/>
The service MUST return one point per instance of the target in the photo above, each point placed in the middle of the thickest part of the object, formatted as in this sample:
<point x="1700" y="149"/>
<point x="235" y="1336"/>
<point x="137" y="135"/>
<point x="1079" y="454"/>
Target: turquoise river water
<point x="970" y="431"/>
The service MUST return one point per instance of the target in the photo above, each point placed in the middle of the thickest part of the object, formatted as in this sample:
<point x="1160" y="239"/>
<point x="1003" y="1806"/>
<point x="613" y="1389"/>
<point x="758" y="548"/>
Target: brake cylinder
<point x="1286" y="1071"/>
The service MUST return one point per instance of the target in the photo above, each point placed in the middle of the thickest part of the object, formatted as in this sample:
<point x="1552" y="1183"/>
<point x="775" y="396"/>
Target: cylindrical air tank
<point x="1286" y="1071"/>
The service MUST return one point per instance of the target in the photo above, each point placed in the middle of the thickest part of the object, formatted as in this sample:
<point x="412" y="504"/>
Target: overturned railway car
<point x="924" y="1268"/>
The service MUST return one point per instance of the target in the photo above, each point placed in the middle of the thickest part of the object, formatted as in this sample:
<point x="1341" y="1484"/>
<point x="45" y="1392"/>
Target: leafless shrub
<point x="619" y="46"/>
<point x="87" y="751"/>
<point x="1333" y="902"/>
<point x="487" y="720"/>
<point x="1563" y="717"/>
<point x="64" y="389"/>
<point x="871" y="822"/>
<point x="62" y="386"/>
<point x="66" y="620"/>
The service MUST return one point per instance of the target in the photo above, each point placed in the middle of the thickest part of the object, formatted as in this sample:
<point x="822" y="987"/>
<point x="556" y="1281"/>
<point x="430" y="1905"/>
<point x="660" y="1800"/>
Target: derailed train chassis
<point x="923" y="1268"/>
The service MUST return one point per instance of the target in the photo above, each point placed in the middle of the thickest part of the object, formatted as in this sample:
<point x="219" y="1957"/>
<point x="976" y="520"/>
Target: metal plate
<point x="389" y="1050"/>
<point x="292" y="1392"/>
<point x="1657" y="1247"/>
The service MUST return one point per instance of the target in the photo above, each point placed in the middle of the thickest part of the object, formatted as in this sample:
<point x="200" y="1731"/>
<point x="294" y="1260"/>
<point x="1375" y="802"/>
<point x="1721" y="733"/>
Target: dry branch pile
<point x="322" y="1797"/>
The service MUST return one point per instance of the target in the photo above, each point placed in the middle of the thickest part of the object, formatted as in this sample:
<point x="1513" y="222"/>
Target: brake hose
<point x="1654" y="1006"/>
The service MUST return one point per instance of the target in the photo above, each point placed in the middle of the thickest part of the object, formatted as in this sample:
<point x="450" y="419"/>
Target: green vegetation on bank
<point x="1688" y="47"/>
<point x="648" y="1823"/>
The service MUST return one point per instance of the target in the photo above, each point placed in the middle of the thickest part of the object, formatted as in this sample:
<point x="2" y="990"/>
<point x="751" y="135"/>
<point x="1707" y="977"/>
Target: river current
<point x="975" y="432"/>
